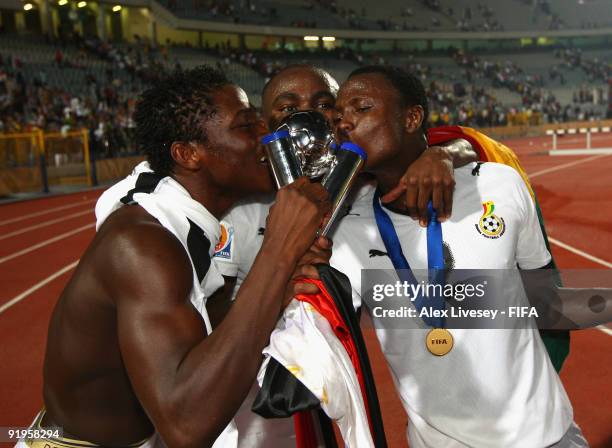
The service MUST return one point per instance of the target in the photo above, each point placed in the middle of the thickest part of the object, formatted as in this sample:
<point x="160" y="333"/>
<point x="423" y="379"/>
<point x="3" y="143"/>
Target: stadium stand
<point x="305" y="14"/>
<point x="63" y="82"/>
<point x="90" y="71"/>
<point x="396" y="15"/>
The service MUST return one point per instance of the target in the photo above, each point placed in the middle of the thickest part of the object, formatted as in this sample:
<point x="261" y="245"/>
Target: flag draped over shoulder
<point x="488" y="150"/>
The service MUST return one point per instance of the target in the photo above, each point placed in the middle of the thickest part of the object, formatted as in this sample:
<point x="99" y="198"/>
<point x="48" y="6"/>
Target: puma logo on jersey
<point x="261" y="230"/>
<point x="347" y="212"/>
<point x="449" y="259"/>
<point x="378" y="253"/>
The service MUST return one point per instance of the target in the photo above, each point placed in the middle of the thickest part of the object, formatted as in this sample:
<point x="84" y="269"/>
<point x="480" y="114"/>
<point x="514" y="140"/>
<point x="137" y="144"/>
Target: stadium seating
<point x="475" y="80"/>
<point x="258" y="12"/>
<point x="437" y="15"/>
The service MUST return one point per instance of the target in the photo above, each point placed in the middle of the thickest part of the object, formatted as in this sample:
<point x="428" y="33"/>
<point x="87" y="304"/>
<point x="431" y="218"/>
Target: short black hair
<point x="410" y="88"/>
<point x="310" y="67"/>
<point x="172" y="110"/>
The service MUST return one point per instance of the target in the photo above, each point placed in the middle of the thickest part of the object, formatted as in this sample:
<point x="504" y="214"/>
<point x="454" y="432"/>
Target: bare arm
<point x="191" y="384"/>
<point x="219" y="304"/>
<point x="431" y="177"/>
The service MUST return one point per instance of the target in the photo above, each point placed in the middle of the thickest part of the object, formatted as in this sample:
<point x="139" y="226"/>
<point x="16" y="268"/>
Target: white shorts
<point x="64" y="442"/>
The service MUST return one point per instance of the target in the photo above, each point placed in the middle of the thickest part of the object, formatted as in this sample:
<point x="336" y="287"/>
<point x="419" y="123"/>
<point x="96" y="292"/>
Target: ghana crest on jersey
<point x="490" y="225"/>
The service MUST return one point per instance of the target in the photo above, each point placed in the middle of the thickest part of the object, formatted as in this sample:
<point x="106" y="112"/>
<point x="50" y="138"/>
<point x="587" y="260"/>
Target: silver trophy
<point x="303" y="145"/>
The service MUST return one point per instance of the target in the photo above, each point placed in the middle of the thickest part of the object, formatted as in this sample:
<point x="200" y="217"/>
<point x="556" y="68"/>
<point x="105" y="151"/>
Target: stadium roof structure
<point x="163" y="15"/>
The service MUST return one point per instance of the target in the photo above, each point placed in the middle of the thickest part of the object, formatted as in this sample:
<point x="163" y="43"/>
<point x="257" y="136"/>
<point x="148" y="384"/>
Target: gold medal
<point x="439" y="341"/>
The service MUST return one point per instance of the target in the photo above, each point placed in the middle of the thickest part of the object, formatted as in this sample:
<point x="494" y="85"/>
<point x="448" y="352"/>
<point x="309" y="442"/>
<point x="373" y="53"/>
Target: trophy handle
<point x="285" y="164"/>
<point x="350" y="158"/>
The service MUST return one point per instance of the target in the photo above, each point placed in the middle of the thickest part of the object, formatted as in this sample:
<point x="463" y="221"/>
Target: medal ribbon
<point x="435" y="258"/>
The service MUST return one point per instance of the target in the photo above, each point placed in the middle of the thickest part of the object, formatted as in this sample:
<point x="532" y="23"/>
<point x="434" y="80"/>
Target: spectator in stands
<point x="59" y="58"/>
<point x="128" y="67"/>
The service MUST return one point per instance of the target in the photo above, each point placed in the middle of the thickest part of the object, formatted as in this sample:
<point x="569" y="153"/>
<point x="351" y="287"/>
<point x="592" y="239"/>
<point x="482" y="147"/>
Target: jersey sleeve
<point x="531" y="251"/>
<point x="226" y="251"/>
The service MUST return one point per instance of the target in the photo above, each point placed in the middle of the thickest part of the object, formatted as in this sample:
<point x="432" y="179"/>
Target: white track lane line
<point x="37" y="286"/>
<point x="567" y="246"/>
<point x="44" y="224"/>
<point x="588" y="257"/>
<point x="565" y="165"/>
<point x="46" y="242"/>
<point x="605" y="329"/>
<point x="44" y="212"/>
<point x="583" y="254"/>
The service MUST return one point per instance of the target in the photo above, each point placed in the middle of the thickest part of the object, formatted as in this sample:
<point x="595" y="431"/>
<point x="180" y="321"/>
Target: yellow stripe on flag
<point x="499" y="153"/>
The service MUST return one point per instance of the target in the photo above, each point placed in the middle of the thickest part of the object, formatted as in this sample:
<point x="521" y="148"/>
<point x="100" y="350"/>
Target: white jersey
<point x="242" y="231"/>
<point x="495" y="387"/>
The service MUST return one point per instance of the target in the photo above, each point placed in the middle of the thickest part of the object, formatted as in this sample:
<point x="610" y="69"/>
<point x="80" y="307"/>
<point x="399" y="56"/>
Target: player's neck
<point x="388" y="177"/>
<point x="215" y="199"/>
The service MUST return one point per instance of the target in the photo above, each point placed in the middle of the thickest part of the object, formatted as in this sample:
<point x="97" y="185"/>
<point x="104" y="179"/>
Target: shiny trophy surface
<point x="303" y="145"/>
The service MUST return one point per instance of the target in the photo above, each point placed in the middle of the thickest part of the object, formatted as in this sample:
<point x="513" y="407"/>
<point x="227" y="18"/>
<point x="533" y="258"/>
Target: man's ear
<point x="186" y="155"/>
<point x="414" y="118"/>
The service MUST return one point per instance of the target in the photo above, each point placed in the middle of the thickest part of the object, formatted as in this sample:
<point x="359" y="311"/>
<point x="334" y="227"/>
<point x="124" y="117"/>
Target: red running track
<point x="41" y="239"/>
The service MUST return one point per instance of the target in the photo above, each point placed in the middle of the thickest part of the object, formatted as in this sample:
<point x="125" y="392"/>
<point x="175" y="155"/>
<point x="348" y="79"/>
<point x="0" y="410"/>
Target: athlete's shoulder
<point x="131" y="232"/>
<point x="133" y="223"/>
<point x="133" y="248"/>
<point x="499" y="169"/>
<point x="489" y="173"/>
<point x="482" y="182"/>
<point x="127" y="219"/>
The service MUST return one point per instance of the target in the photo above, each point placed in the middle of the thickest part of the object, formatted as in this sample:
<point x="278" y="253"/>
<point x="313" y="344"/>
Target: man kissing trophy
<point x="303" y="145"/>
<point x="317" y="357"/>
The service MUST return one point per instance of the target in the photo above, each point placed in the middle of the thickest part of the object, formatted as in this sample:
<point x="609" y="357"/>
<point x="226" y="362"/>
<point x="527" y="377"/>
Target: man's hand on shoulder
<point x="432" y="177"/>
